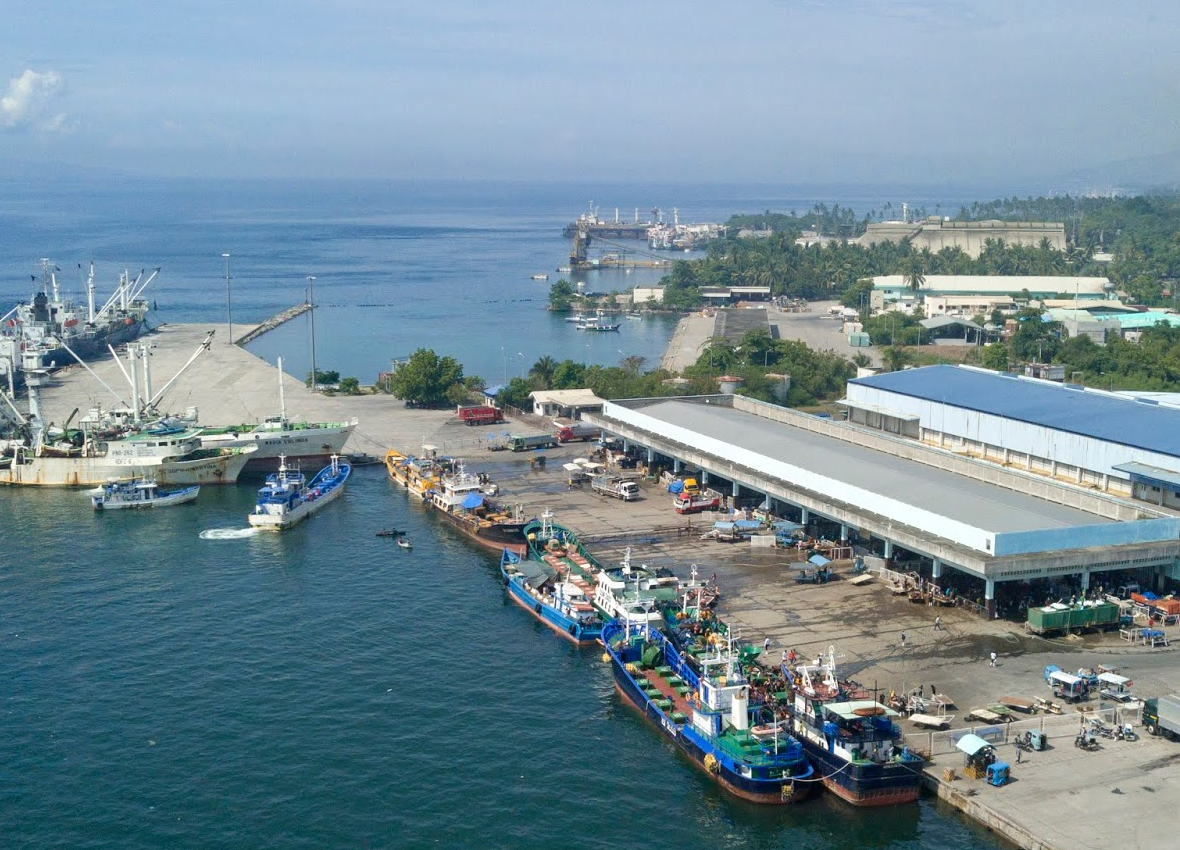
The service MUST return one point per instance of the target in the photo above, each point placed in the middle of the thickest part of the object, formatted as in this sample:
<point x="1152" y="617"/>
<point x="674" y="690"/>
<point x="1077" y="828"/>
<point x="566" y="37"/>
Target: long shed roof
<point x="941" y="492"/>
<point x="1138" y="424"/>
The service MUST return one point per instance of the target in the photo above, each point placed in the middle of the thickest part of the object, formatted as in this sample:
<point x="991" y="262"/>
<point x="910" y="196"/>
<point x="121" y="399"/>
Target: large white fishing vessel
<point x="301" y="443"/>
<point x="92" y="455"/>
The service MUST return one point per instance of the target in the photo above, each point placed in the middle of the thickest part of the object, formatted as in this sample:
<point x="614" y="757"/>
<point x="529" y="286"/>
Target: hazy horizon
<point x="1041" y="97"/>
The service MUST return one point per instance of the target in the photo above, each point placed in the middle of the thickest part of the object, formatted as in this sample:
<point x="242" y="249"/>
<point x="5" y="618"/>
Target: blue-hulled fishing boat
<point x="288" y="497"/>
<point x="558" y="599"/>
<point x="709" y="715"/>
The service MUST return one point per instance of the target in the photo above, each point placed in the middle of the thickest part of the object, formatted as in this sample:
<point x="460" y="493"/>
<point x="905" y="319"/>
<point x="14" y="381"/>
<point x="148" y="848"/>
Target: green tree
<point x="350" y="386"/>
<point x="858" y="295"/>
<point x="427" y="379"/>
<point x="542" y="371"/>
<point x="561" y="295"/>
<point x="322" y="378"/>
<point x="995" y="356"/>
<point x="895" y="358"/>
<point x="861" y="360"/>
<point x="915" y="274"/>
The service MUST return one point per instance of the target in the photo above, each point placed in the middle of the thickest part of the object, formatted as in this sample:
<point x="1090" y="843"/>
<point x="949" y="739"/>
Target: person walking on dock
<point x="766" y="645"/>
<point x="993" y="658"/>
<point x="938" y="624"/>
<point x="903" y="640"/>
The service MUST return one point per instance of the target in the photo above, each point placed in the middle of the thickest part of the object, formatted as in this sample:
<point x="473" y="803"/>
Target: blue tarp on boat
<point x="472" y="500"/>
<point x="747" y="524"/>
<point x="676" y="486"/>
<point x="819" y="560"/>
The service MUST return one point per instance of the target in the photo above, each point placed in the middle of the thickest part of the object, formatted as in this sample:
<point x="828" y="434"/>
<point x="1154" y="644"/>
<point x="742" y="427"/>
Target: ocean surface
<point x="169" y="679"/>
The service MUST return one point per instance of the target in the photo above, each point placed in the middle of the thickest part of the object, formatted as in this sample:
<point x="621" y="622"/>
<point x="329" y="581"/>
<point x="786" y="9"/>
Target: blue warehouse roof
<point x="1138" y="424"/>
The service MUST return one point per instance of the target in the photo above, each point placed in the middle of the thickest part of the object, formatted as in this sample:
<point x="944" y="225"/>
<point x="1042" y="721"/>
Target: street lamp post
<point x="504" y="360"/>
<point x="229" y="312"/>
<point x="520" y="354"/>
<point x="311" y="301"/>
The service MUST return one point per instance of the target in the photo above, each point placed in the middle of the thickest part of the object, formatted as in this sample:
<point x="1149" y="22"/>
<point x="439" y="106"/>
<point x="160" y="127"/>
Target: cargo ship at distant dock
<point x="51" y="326"/>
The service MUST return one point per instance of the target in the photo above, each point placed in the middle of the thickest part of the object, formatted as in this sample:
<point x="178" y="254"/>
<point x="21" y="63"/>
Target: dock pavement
<point x="1062" y="799"/>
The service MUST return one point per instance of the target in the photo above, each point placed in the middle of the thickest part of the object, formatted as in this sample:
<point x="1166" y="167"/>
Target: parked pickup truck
<point x="612" y="485"/>
<point x="523" y="443"/>
<point x="480" y="414"/>
<point x="578" y="431"/>
<point x="694" y="503"/>
<point x="1161" y="716"/>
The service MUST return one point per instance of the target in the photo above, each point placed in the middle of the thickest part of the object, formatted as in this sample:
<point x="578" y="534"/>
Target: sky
<point x="760" y="91"/>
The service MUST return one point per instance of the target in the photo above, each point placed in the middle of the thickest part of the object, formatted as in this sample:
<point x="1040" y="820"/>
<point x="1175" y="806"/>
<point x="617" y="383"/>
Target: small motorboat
<point x="404" y="543"/>
<point x="389" y="532"/>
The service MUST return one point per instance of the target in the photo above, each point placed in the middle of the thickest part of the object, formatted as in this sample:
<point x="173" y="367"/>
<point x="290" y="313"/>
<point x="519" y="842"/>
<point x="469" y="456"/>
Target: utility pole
<point x="229" y="311"/>
<point x="315" y="376"/>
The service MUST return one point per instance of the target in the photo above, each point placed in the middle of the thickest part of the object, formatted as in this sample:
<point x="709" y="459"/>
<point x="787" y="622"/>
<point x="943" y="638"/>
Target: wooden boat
<point x="389" y="532"/>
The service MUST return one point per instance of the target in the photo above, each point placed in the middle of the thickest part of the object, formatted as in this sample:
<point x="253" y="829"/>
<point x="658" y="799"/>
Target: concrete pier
<point x="231" y="386"/>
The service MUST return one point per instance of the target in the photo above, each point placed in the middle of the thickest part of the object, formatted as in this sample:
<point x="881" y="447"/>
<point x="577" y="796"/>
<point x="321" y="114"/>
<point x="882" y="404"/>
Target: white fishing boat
<point x="288" y="497"/>
<point x="302" y="443"/>
<point x="138" y="493"/>
<point x="540" y="277"/>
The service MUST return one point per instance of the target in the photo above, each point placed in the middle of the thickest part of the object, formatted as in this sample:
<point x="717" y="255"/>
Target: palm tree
<point x="861" y="360"/>
<point x="914" y="277"/>
<point x="894" y="358"/>
<point x="542" y="372"/>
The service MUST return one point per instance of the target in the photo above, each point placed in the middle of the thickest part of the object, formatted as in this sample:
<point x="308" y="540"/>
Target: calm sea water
<point x="323" y="688"/>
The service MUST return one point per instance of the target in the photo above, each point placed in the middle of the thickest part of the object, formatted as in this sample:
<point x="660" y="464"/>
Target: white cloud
<point x="28" y="101"/>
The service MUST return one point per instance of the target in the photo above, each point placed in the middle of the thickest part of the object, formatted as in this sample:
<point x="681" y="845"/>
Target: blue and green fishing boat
<point x="710" y="715"/>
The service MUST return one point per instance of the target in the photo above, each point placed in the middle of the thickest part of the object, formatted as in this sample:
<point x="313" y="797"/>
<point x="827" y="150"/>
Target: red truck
<point x="480" y="414"/>
<point x="693" y="503"/>
<point x="578" y="431"/>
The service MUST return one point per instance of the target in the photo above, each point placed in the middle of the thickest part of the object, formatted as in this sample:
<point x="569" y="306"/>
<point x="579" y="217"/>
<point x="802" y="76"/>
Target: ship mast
<point x="90" y="295"/>
<point x="282" y="395"/>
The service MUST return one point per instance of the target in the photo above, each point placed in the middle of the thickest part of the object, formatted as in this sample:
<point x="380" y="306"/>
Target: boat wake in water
<point x="227" y="533"/>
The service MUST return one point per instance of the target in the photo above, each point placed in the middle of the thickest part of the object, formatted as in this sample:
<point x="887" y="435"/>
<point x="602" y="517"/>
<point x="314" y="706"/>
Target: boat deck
<point x="673" y="691"/>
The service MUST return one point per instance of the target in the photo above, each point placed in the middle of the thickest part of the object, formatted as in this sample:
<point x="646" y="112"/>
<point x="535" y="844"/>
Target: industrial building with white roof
<point x="993" y="523"/>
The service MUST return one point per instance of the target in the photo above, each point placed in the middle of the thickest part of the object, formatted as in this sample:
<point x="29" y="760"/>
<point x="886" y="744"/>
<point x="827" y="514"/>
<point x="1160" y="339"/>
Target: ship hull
<point x="163" y="500"/>
<point x="493" y="535"/>
<point x="300" y="446"/>
<point x="866" y="786"/>
<point x="92" y="471"/>
<point x="90" y="345"/>
<point x="774" y="792"/>
<point x="280" y="522"/>
<point x="576" y="633"/>
<point x="770" y="793"/>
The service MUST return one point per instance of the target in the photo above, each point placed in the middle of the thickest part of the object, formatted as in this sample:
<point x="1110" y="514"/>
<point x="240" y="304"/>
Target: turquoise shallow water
<point x="323" y="688"/>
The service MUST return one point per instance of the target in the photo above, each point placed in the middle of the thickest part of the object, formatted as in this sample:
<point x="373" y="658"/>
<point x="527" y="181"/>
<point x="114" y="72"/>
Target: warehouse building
<point x="935" y="234"/>
<point x="1116" y="444"/>
<point x="890" y="493"/>
<point x="893" y="291"/>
